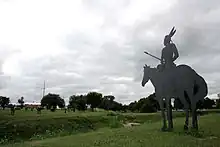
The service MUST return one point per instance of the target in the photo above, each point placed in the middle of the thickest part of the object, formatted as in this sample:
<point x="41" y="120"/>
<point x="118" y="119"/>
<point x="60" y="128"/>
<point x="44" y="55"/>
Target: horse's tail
<point x="200" y="89"/>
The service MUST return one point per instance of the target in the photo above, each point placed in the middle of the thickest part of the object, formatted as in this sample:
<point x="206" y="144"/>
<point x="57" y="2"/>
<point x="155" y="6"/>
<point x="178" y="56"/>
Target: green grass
<point x="22" y="114"/>
<point x="28" y="125"/>
<point x="148" y="134"/>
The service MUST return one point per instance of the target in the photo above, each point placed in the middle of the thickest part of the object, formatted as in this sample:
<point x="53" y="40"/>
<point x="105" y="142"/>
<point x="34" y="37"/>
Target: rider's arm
<point x="162" y="58"/>
<point x="175" y="51"/>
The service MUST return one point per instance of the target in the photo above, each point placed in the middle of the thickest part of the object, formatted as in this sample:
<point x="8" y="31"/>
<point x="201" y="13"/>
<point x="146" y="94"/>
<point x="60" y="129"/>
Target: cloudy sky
<point x="97" y="45"/>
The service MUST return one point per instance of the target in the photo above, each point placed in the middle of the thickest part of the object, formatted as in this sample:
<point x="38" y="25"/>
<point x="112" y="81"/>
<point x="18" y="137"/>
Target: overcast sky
<point x="97" y="45"/>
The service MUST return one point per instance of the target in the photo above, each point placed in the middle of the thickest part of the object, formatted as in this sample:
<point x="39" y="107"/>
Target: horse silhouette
<point x="180" y="82"/>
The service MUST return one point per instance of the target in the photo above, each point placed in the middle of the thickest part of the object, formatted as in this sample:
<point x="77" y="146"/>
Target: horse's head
<point x="146" y="76"/>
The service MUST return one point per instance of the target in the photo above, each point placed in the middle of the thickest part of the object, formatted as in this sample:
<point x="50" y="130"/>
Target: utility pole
<point x="44" y="89"/>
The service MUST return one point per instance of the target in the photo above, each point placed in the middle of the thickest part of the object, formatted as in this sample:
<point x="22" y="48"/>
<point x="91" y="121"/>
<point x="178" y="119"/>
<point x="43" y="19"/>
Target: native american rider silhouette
<point x="169" y="52"/>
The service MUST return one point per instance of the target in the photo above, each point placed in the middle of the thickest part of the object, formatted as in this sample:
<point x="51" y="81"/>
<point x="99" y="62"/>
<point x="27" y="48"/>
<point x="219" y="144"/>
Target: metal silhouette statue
<point x="171" y="81"/>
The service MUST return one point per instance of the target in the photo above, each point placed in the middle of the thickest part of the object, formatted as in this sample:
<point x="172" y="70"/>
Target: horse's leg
<point x="194" y="117"/>
<point x="169" y="113"/>
<point x="186" y="126"/>
<point x="192" y="99"/>
<point x="171" y="118"/>
<point x="161" y="102"/>
<point x="186" y="109"/>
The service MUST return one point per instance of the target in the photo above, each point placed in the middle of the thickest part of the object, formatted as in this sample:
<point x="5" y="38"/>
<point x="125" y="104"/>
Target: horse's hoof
<point x="186" y="127"/>
<point x="194" y="129"/>
<point x="170" y="129"/>
<point x="163" y="129"/>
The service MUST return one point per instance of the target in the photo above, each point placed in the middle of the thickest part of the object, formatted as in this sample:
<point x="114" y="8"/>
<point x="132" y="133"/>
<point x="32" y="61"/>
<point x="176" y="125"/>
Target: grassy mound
<point x="144" y="135"/>
<point x="28" y="125"/>
<point x="32" y="126"/>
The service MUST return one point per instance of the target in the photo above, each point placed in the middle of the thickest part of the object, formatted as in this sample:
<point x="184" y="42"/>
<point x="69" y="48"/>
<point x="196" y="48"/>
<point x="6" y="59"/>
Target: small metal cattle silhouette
<point x="171" y="81"/>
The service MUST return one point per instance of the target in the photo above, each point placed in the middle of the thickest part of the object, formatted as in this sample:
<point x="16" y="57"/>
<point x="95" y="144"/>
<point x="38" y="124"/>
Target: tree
<point x="51" y="101"/>
<point x="116" y="106"/>
<point x="62" y="103"/>
<point x="94" y="99"/>
<point x="145" y="105"/>
<point x="132" y="106"/>
<point x="208" y="103"/>
<point x="199" y="105"/>
<point x="81" y="103"/>
<point x="72" y="102"/>
<point x="78" y="102"/>
<point x="107" y="102"/>
<point x="21" y="102"/>
<point x="147" y="108"/>
<point x="149" y="105"/>
<point x="4" y="101"/>
<point x="111" y="98"/>
<point x="154" y="102"/>
<point x="178" y="104"/>
<point x="218" y="102"/>
<point x="124" y="108"/>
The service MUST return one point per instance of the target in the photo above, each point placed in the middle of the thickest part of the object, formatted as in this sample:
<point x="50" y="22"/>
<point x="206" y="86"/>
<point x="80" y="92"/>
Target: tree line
<point x="94" y="100"/>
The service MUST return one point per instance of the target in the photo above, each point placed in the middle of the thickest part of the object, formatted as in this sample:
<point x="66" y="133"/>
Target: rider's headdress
<point x="167" y="38"/>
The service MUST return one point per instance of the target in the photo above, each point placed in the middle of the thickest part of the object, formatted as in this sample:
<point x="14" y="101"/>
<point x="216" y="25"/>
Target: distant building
<point x="32" y="105"/>
<point x="16" y="104"/>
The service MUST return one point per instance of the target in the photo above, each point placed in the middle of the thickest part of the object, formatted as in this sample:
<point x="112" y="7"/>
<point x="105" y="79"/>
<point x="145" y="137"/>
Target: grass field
<point x="107" y="132"/>
<point x="140" y="136"/>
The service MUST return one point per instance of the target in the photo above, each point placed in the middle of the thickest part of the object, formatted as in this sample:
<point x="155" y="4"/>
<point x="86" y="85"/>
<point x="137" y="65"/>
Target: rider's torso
<point x="168" y="53"/>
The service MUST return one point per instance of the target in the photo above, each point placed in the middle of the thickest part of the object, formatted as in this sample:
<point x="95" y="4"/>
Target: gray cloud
<point x="113" y="64"/>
